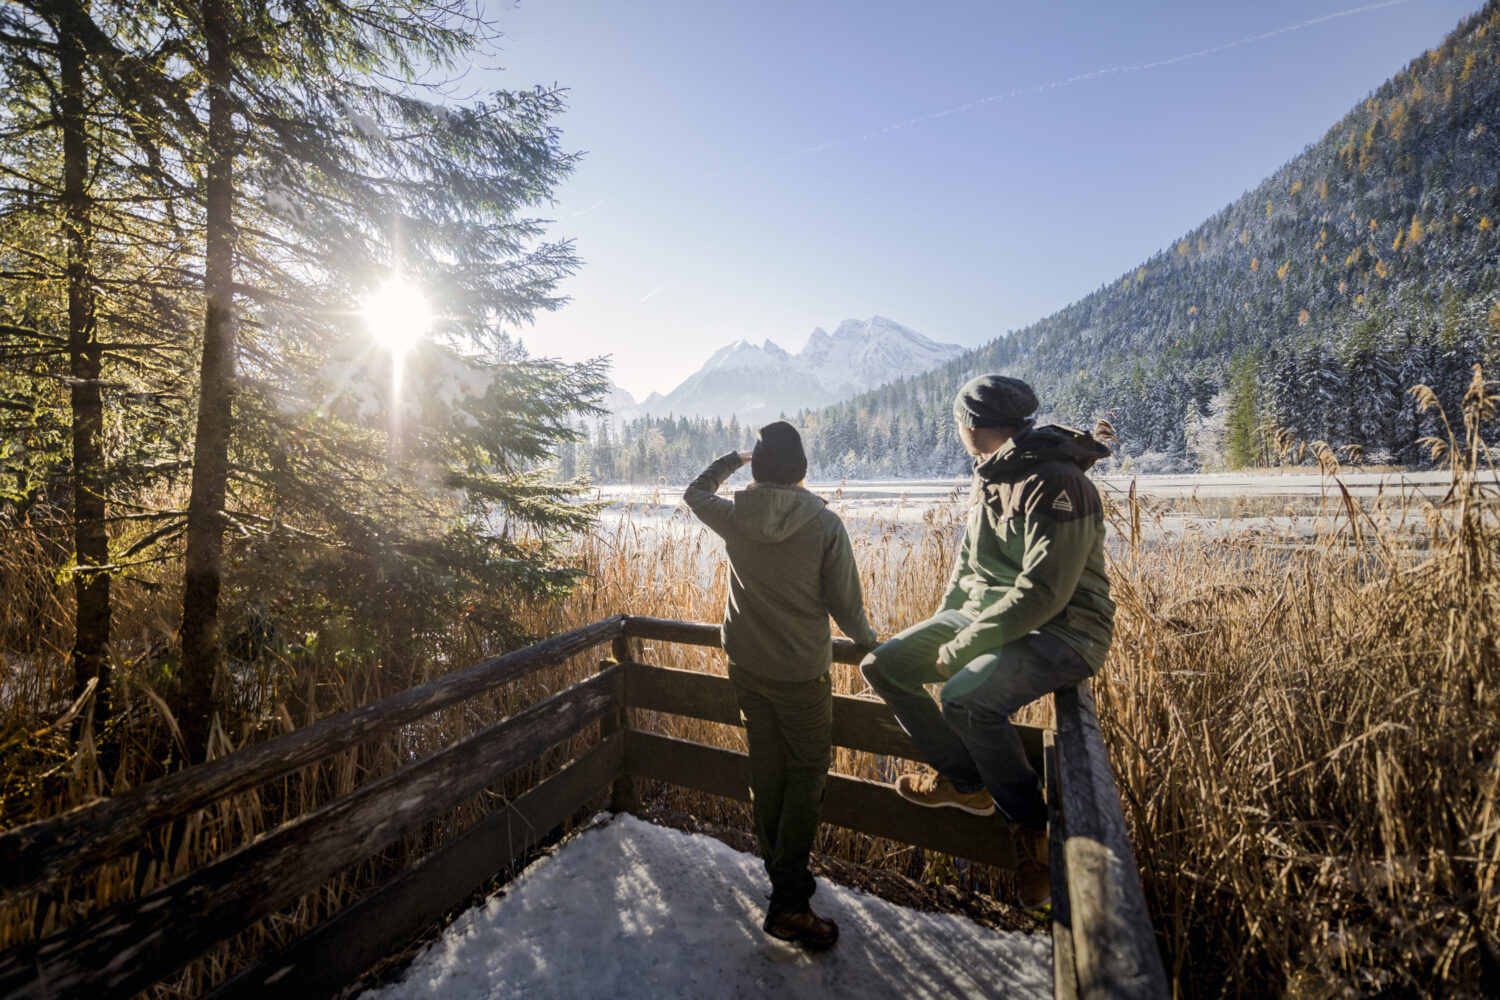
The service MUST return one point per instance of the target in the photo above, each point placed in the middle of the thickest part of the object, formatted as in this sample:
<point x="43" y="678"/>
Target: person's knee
<point x="968" y="714"/>
<point x="873" y="669"/>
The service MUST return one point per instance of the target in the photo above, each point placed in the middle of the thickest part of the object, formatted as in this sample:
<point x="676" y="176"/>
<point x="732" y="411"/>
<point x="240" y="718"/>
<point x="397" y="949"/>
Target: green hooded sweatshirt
<point x="1033" y="551"/>
<point x="790" y="567"/>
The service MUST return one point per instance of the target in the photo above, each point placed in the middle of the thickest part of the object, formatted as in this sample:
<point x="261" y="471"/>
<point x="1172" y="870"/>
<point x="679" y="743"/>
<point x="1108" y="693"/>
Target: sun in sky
<point x="397" y="315"/>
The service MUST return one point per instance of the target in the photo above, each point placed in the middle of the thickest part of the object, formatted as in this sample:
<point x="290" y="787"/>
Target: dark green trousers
<point x="789" y="727"/>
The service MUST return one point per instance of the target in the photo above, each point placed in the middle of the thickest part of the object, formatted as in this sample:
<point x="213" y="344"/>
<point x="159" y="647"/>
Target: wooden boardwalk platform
<point x="1104" y="944"/>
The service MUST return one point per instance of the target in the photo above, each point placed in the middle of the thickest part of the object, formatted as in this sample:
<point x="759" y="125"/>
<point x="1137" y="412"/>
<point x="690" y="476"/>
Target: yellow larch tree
<point x="1417" y="232"/>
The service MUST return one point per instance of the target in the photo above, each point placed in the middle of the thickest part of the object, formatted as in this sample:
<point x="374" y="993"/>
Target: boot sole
<point x="803" y="940"/>
<point x="811" y="944"/>
<point x="946" y="805"/>
<point x="1045" y="904"/>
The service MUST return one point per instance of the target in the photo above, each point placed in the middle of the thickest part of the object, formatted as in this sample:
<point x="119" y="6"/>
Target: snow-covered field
<point x="924" y="492"/>
<point x="627" y="909"/>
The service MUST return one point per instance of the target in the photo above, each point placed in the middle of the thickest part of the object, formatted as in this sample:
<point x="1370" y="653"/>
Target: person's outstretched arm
<point x="702" y="497"/>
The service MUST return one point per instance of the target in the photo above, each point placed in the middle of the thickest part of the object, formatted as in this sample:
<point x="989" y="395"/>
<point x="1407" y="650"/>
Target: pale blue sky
<point x="759" y="169"/>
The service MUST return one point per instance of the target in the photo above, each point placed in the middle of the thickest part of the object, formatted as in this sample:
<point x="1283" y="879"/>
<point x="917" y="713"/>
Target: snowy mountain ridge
<point x="757" y="383"/>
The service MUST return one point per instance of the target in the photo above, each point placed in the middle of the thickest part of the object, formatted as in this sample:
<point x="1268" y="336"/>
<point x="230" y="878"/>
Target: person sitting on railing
<point x="1027" y="611"/>
<point x="791" y="566"/>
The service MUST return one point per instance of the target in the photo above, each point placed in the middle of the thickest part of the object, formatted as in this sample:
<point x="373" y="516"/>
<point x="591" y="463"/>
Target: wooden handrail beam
<point x="121" y="951"/>
<point x="56" y="847"/>
<point x="1113" y="941"/>
<point x="707" y="634"/>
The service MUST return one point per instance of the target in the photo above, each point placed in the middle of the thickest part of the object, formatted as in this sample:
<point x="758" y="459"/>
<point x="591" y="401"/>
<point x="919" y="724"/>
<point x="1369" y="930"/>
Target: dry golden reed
<point x="1304" y="721"/>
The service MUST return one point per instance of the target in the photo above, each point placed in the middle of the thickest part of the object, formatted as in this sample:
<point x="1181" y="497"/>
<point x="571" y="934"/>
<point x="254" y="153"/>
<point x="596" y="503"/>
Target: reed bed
<point x="1304" y="721"/>
<point x="1304" y="726"/>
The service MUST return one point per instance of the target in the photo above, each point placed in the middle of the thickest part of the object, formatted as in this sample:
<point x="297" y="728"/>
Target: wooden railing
<point x="1104" y="946"/>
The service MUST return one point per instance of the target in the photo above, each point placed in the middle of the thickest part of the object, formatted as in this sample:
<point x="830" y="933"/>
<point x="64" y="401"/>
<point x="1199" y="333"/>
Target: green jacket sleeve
<point x="954" y="595"/>
<point x="1055" y="555"/>
<point x="841" y="591"/>
<point x="702" y="497"/>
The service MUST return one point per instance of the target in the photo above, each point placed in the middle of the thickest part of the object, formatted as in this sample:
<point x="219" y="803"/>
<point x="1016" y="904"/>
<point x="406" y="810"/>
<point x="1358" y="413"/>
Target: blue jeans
<point x="970" y="740"/>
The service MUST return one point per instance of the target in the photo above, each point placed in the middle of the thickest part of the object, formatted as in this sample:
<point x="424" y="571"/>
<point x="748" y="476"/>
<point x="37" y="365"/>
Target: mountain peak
<point x="758" y="382"/>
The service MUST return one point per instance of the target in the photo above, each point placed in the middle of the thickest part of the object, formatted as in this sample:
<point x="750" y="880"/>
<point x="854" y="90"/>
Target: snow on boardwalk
<point x="630" y="909"/>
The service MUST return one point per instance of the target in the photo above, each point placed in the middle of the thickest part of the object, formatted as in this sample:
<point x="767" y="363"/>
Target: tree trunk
<point x="91" y="543"/>
<point x="201" y="650"/>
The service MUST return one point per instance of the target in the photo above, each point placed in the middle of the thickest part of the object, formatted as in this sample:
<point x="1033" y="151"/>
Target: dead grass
<point x="1305" y="733"/>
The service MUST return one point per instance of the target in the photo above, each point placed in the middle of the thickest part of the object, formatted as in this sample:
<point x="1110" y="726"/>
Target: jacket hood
<point x="1048" y="443"/>
<point x="771" y="512"/>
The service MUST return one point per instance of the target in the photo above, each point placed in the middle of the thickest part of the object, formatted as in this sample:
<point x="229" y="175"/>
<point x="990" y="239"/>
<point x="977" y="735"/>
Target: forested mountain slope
<point x="1365" y="265"/>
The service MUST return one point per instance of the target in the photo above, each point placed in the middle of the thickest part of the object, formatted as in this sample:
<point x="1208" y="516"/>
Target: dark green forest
<point x="1304" y="310"/>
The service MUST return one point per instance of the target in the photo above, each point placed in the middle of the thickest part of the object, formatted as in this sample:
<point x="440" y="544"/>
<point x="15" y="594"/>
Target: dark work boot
<point x="1033" y="871"/>
<point x="806" y="929"/>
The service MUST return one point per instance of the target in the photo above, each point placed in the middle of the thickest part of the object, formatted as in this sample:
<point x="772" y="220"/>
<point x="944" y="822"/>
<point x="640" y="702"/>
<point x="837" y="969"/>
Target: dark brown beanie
<point x="995" y="401"/>
<point x="778" y="456"/>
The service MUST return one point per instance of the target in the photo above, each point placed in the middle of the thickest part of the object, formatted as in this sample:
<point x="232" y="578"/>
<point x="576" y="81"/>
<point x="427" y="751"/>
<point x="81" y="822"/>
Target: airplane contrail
<point x="1096" y="74"/>
<point x="661" y="289"/>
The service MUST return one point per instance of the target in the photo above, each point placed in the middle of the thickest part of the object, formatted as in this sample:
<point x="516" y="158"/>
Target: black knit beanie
<point x="995" y="401"/>
<point x="778" y="456"/>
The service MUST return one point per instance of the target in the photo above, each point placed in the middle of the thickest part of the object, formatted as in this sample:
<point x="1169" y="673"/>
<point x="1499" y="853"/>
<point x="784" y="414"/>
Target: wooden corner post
<point x="623" y="797"/>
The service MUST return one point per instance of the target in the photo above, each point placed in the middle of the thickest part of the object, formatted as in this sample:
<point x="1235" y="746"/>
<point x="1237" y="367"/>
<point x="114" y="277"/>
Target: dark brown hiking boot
<point x="806" y="929"/>
<point x="1033" y="871"/>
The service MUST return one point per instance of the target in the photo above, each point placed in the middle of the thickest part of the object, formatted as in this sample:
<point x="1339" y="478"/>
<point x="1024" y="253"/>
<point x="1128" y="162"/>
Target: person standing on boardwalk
<point x="790" y="567"/>
<point x="1026" y="612"/>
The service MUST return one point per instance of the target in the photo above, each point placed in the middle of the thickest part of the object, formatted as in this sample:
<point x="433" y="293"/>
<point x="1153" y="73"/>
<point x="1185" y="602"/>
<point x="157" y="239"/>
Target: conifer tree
<point x="81" y="108"/>
<point x="323" y="177"/>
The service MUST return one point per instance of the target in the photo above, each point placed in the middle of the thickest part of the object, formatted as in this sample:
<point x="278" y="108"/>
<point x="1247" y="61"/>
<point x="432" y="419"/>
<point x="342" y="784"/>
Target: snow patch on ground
<point x="629" y="909"/>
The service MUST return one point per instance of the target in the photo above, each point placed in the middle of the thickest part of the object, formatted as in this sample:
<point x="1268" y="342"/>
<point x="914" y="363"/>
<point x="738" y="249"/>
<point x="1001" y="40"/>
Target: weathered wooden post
<point x="1114" y="945"/>
<point x="623" y="797"/>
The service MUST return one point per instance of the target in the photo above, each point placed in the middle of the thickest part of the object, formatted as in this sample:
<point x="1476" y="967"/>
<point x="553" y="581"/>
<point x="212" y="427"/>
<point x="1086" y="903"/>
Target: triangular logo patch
<point x="1063" y="502"/>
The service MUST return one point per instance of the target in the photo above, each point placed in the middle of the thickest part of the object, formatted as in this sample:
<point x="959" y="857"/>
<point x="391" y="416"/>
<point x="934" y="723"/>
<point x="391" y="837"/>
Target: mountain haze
<point x="757" y="383"/>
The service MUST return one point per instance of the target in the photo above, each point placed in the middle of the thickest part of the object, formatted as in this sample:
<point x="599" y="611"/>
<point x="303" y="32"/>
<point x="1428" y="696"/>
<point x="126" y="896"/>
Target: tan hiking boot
<point x="806" y="929"/>
<point x="1033" y="870"/>
<point x="934" y="791"/>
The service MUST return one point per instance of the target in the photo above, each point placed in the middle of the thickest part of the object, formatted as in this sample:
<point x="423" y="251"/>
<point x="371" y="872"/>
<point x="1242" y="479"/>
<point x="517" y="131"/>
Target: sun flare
<point x="398" y="315"/>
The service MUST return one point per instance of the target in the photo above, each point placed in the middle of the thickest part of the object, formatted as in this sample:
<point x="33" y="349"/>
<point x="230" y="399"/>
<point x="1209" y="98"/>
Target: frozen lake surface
<point x="1219" y="503"/>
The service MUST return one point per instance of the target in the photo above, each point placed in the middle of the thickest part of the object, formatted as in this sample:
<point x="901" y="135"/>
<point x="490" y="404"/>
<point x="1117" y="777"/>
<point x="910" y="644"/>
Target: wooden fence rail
<point x="1107" y="948"/>
<point x="54" y="848"/>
